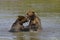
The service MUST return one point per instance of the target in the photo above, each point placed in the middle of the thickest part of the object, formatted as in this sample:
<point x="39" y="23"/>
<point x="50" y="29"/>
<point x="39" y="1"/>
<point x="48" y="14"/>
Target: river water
<point x="50" y="25"/>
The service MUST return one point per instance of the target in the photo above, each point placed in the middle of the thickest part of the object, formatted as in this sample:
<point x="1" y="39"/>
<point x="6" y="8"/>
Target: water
<point x="50" y="25"/>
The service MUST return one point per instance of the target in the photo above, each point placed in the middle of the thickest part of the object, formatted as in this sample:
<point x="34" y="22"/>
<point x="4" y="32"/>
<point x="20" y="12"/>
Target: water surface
<point x="50" y="25"/>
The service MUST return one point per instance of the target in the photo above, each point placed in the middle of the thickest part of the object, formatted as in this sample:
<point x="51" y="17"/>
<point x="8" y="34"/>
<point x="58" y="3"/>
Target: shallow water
<point x="50" y="25"/>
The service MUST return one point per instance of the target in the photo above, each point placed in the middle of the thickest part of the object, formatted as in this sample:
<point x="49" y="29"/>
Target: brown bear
<point x="35" y="22"/>
<point x="18" y="24"/>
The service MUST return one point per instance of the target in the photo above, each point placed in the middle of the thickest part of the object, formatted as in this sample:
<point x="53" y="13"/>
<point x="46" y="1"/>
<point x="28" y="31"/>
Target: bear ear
<point x="33" y="13"/>
<point x="18" y="16"/>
